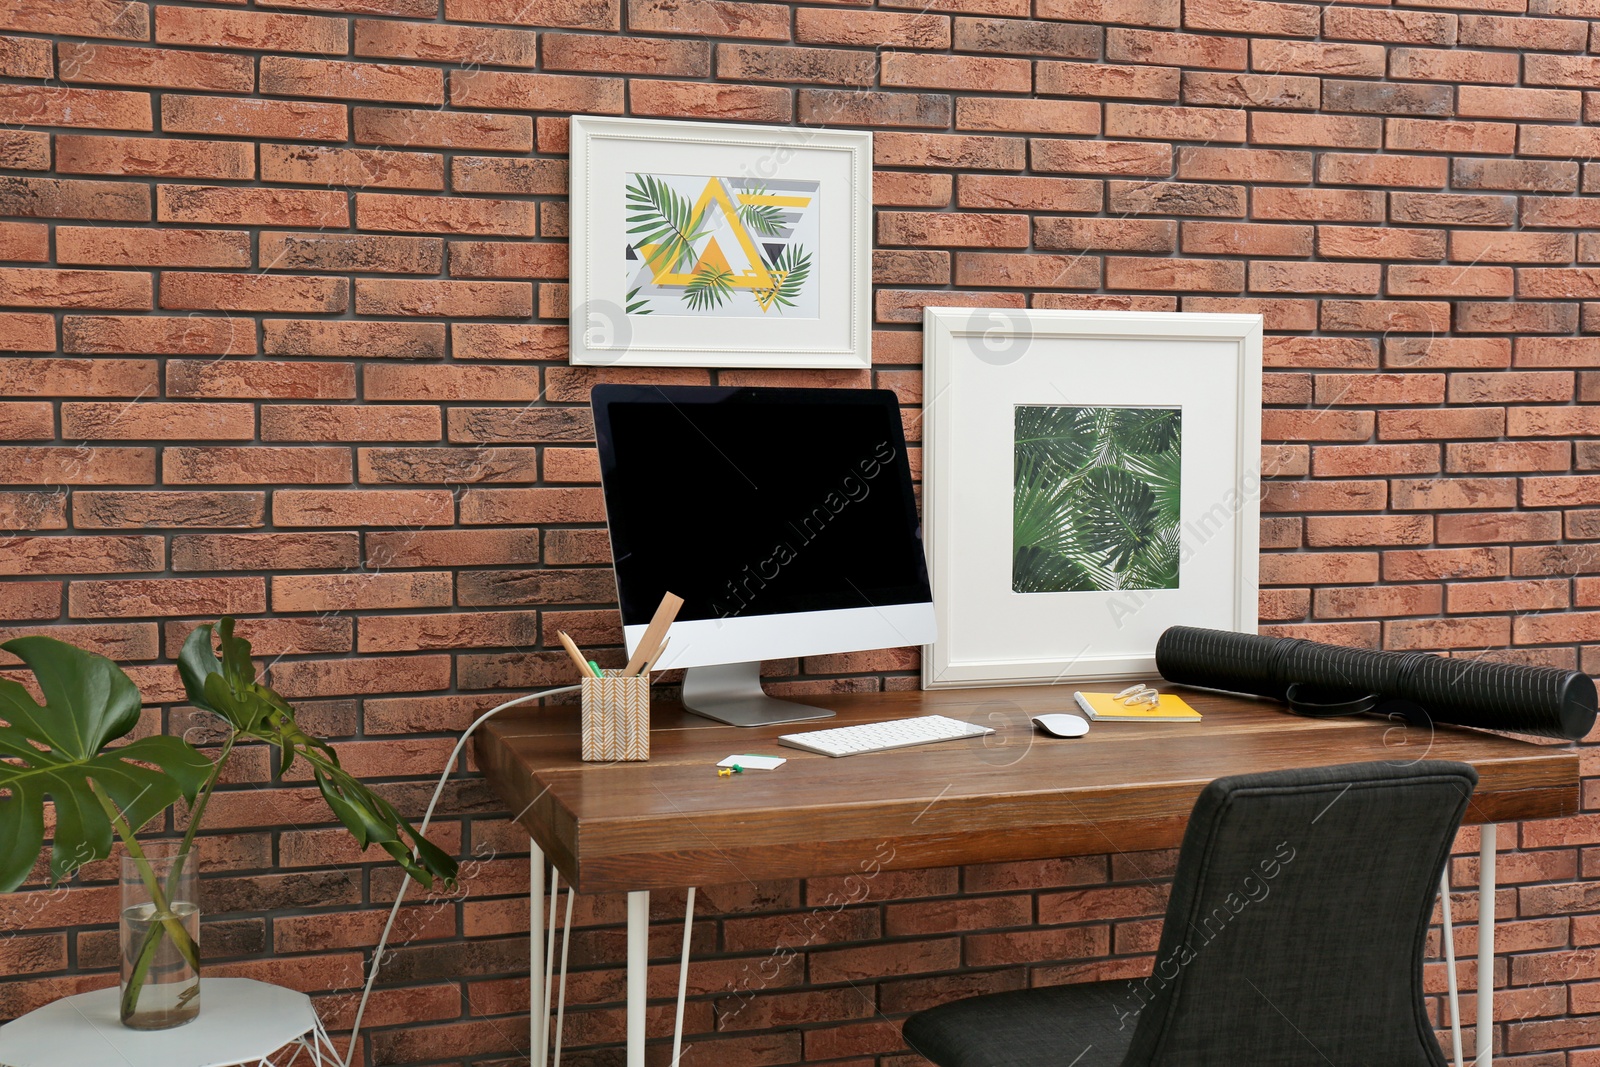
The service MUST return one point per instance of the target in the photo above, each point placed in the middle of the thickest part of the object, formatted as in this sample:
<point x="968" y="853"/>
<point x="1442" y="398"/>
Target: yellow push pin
<point x="724" y="772"/>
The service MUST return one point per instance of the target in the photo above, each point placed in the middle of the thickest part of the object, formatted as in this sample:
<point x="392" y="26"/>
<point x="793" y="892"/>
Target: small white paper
<point x="754" y="763"/>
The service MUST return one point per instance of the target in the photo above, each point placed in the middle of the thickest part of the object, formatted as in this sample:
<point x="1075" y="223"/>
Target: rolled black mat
<point x="1546" y="701"/>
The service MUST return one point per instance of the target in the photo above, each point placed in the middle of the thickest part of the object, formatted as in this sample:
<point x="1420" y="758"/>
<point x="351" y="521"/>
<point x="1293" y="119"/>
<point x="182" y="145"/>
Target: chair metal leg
<point x="1486" y="860"/>
<point x="638" y="972"/>
<point x="536" y="1031"/>
<point x="1448" y="933"/>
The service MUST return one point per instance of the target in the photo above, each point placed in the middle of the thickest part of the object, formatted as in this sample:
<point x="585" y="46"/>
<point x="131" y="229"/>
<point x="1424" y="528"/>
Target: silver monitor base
<point x="731" y="693"/>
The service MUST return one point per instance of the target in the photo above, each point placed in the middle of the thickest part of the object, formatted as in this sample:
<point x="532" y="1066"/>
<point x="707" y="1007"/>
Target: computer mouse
<point x="1062" y="725"/>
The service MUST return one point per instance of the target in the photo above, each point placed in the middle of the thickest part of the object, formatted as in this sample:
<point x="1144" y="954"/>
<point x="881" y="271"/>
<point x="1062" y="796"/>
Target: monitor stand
<point x="731" y="693"/>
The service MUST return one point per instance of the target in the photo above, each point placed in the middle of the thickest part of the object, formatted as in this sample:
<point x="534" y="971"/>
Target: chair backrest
<point x="1295" y="932"/>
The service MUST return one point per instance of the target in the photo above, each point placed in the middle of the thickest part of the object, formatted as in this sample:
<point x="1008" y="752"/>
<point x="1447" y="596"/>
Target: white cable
<point x="399" y="897"/>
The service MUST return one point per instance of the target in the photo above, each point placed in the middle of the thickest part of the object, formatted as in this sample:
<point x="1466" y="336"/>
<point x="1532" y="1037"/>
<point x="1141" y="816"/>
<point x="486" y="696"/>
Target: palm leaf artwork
<point x="1146" y="431"/>
<point x="1048" y="560"/>
<point x="1096" y="498"/>
<point x="1116" y="515"/>
<point x="1163" y="473"/>
<point x="709" y="288"/>
<point x="765" y="219"/>
<point x="699" y="245"/>
<point x="662" y="218"/>
<point x="794" y="265"/>
<point x="1060" y="441"/>
<point x="1155" y="566"/>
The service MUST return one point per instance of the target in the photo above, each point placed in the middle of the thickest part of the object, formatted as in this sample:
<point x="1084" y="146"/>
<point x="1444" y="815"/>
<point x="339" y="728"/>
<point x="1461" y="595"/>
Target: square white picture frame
<point x="632" y="307"/>
<point x="980" y="366"/>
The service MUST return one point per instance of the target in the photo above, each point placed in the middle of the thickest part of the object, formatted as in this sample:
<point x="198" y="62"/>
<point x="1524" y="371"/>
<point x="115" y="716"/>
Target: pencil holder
<point x="616" y="717"/>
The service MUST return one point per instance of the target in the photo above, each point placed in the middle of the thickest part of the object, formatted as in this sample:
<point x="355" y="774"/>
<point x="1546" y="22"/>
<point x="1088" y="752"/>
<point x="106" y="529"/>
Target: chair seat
<point x="1061" y="1026"/>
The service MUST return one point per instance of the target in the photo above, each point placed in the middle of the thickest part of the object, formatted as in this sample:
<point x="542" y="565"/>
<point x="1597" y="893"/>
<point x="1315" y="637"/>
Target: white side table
<point x="242" y="1022"/>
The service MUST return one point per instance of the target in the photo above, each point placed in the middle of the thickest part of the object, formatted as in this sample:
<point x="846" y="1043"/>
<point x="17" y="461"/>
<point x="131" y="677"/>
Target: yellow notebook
<point x="1105" y="707"/>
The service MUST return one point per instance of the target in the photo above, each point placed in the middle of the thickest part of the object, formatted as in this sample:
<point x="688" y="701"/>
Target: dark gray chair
<point x="1293" y="938"/>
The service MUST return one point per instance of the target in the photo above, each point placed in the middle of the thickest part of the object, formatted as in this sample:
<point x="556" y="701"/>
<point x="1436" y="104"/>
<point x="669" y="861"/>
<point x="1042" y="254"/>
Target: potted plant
<point x="63" y="750"/>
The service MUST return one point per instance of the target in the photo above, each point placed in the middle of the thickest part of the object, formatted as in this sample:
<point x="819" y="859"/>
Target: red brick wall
<point x="284" y="336"/>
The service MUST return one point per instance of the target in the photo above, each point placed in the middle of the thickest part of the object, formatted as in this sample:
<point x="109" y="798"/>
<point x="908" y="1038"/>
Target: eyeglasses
<point x="1139" y="694"/>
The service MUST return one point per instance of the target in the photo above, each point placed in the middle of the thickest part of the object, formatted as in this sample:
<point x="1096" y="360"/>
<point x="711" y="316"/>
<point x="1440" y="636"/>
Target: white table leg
<point x="1448" y="932"/>
<point x="1486" y="859"/>
<point x="638" y="972"/>
<point x="561" y="997"/>
<point x="535" y="955"/>
<point x="549" y="968"/>
<point x="683" y="978"/>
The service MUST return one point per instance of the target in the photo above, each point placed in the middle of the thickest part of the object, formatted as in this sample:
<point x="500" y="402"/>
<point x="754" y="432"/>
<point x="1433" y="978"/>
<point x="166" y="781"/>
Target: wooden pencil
<point x="577" y="657"/>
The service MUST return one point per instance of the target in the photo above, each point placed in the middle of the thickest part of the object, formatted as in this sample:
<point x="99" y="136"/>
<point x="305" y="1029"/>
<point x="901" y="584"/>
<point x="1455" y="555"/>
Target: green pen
<point x="593" y="666"/>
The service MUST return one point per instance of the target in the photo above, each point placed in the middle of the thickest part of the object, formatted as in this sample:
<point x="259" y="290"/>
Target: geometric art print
<point x="705" y="246"/>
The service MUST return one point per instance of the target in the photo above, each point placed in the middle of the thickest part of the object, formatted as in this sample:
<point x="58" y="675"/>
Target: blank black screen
<point x="757" y="501"/>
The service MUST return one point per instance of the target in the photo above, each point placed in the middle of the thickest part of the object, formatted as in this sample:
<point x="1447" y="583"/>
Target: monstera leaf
<point x="55" y="751"/>
<point x="228" y="687"/>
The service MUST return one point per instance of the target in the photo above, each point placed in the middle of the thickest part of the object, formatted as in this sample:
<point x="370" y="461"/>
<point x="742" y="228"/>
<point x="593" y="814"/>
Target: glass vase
<point x="160" y="938"/>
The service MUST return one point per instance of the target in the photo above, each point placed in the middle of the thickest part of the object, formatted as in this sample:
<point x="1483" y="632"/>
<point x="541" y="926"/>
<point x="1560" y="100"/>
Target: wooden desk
<point x="1017" y="795"/>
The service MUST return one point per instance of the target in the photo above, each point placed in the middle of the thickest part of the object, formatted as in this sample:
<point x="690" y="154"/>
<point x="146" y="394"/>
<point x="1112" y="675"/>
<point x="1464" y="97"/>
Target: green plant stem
<point x="170" y="923"/>
<point x="147" y="875"/>
<point x="316" y="759"/>
<point x="154" y="934"/>
<point x="141" y="968"/>
<point x="197" y="810"/>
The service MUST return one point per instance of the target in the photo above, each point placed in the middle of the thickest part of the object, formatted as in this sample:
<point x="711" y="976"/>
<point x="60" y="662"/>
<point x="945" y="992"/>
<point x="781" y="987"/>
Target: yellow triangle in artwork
<point x="756" y="276"/>
<point x="713" y="257"/>
<point x="765" y="297"/>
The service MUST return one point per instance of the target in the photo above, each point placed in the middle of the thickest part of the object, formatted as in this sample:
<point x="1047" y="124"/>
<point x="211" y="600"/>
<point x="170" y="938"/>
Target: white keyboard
<point x="883" y="736"/>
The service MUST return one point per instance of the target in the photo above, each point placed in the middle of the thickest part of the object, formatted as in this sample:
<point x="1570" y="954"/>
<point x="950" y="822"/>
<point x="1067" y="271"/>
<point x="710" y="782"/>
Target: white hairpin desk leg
<point x="638" y="972"/>
<point x="1486" y="858"/>
<point x="683" y="978"/>
<point x="549" y="967"/>
<point x="1447" y="933"/>
<point x="536" y="1018"/>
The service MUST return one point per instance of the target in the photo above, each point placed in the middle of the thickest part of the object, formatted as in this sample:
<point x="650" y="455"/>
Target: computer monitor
<point x="784" y="518"/>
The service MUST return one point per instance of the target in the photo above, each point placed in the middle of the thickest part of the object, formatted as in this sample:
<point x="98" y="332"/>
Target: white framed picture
<point x="698" y="244"/>
<point x="1090" y="478"/>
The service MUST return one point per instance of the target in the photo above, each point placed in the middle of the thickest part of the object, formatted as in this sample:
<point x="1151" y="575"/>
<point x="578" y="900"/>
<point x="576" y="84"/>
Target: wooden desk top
<point x="1014" y="795"/>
